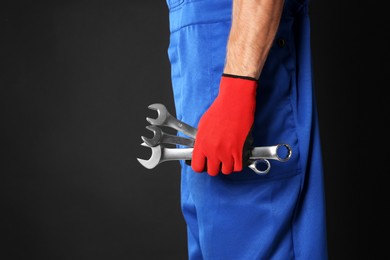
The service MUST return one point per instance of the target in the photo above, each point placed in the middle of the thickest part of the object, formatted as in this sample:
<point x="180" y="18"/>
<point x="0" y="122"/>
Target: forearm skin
<point x="254" y="26"/>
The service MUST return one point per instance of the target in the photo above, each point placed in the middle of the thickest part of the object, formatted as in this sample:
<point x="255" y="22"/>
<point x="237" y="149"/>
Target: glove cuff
<point x="238" y="77"/>
<point x="237" y="88"/>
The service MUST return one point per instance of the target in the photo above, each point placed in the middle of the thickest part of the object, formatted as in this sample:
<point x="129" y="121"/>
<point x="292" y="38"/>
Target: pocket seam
<point x="172" y="4"/>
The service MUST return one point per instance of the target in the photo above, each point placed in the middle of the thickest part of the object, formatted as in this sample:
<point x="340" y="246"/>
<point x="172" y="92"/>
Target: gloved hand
<point x="225" y="126"/>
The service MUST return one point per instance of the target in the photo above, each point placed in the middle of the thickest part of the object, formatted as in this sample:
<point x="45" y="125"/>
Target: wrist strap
<point x="239" y="77"/>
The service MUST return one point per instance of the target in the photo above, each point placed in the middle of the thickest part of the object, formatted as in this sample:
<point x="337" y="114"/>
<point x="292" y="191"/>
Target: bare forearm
<point x="254" y="25"/>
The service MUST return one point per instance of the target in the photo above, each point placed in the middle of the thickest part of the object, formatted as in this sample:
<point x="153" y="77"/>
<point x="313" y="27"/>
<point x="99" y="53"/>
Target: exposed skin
<point x="254" y="25"/>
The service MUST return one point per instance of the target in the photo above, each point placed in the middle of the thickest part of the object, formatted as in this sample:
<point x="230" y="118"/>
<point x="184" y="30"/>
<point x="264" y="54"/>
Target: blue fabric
<point x="243" y="215"/>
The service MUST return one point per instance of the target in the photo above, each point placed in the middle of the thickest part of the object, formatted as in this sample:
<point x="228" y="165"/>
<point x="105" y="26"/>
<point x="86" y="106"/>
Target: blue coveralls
<point x="246" y="216"/>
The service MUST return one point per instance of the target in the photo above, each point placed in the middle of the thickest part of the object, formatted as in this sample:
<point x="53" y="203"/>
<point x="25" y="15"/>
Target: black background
<point x="76" y="80"/>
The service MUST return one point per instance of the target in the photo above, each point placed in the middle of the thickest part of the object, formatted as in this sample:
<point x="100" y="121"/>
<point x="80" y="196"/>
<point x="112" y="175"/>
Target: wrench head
<point x="162" y="114"/>
<point x="154" y="159"/>
<point x="157" y="136"/>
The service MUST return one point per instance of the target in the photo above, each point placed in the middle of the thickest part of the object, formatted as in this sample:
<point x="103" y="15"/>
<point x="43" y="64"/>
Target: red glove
<point x="225" y="126"/>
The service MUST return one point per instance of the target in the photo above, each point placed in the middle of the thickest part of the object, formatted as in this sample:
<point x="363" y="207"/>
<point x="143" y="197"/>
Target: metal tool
<point x="164" y="118"/>
<point x="160" y="137"/>
<point x="258" y="155"/>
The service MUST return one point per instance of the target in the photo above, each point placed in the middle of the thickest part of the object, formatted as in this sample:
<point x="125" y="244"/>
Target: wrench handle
<point x="262" y="152"/>
<point x="181" y="126"/>
<point x="271" y="152"/>
<point x="171" y="154"/>
<point x="173" y="139"/>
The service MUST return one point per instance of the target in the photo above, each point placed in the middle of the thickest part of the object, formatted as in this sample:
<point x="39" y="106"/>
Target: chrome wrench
<point x="160" y="137"/>
<point x="258" y="155"/>
<point x="164" y="118"/>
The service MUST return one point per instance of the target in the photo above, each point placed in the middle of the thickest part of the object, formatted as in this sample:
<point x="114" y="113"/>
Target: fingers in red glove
<point x="213" y="166"/>
<point x="224" y="127"/>
<point x="228" y="166"/>
<point x="198" y="161"/>
<point x="238" y="162"/>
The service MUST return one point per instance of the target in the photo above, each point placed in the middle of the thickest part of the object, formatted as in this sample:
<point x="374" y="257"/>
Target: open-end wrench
<point x="160" y="137"/>
<point x="161" y="154"/>
<point x="258" y="154"/>
<point x="164" y="118"/>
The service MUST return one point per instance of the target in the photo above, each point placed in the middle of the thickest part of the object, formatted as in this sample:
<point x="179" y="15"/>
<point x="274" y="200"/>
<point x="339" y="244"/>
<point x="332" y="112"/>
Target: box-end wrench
<point x="160" y="137"/>
<point x="164" y="118"/>
<point x="258" y="154"/>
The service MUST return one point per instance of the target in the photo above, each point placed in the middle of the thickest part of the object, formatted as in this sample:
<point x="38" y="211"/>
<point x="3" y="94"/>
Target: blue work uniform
<point x="243" y="215"/>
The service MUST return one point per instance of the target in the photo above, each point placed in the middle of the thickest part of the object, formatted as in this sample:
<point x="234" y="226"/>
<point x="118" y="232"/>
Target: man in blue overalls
<point x="242" y="68"/>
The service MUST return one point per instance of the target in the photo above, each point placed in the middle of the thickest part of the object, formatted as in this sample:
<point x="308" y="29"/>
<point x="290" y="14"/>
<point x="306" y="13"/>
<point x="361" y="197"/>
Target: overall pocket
<point x="172" y="4"/>
<point x="189" y="54"/>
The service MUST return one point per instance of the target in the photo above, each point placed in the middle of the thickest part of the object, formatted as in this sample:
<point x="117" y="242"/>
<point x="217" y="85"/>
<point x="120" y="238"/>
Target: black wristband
<point x="237" y="76"/>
